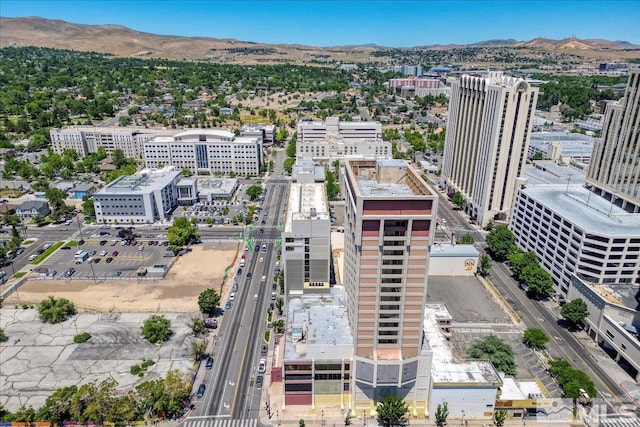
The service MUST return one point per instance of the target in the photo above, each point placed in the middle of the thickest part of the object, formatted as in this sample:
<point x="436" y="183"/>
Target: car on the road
<point x="108" y="260"/>
<point x="249" y="275"/>
<point x="262" y="366"/>
<point x="201" y="390"/>
<point x="115" y="253"/>
<point x="209" y="362"/>
<point x="239" y="272"/>
<point x="117" y="273"/>
<point x="103" y="242"/>
<point x="259" y="381"/>
<point x="69" y="272"/>
<point x="261" y="259"/>
<point x="257" y="248"/>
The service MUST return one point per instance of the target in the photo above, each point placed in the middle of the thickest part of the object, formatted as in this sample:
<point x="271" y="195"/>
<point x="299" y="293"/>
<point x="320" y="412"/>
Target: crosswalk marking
<point x="221" y="422"/>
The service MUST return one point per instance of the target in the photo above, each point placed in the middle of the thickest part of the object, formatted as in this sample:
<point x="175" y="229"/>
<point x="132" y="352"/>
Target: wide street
<point x="231" y="390"/>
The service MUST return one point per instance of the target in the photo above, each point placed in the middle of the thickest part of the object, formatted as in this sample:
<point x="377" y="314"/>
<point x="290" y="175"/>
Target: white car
<point x="103" y="253"/>
<point x="261" y="259"/>
<point x="32" y="257"/>
<point x="262" y="366"/>
<point x="232" y="297"/>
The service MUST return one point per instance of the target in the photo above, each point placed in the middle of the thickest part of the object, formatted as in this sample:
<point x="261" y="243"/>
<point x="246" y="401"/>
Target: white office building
<point x="324" y="142"/>
<point x="148" y="196"/>
<point x="576" y="232"/>
<point x="306" y="239"/>
<point x="265" y="131"/>
<point x="490" y="119"/>
<point x="87" y="139"/>
<point x="206" y="152"/>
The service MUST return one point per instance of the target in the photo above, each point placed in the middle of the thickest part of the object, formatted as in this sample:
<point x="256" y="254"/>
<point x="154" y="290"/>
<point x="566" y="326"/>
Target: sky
<point x="337" y="22"/>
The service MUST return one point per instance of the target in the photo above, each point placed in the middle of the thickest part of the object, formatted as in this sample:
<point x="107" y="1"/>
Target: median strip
<point x="46" y="253"/>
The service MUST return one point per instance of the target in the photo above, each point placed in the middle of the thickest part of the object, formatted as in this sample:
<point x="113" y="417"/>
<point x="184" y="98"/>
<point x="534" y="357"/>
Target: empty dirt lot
<point x="191" y="274"/>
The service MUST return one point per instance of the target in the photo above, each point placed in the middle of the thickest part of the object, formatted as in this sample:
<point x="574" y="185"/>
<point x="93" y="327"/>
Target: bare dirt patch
<point x="202" y="268"/>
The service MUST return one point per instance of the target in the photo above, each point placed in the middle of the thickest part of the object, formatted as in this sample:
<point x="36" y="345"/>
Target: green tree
<point x="535" y="338"/>
<point x="118" y="158"/>
<point x="88" y="207"/>
<point x="484" y="265"/>
<point x="501" y="242"/>
<point x="254" y="192"/>
<point x="466" y="239"/>
<point x="571" y="380"/>
<point x="288" y="164"/>
<point x="575" y="311"/>
<point x="333" y="189"/>
<point x="39" y="220"/>
<point x="538" y="280"/>
<point x="52" y="310"/>
<point x="208" y="301"/>
<point x="458" y="200"/>
<point x="391" y="411"/>
<point x="198" y="327"/>
<point x="57" y="407"/>
<point x="442" y="412"/>
<point x="198" y="348"/>
<point x="495" y="350"/>
<point x="3" y="337"/>
<point x="181" y="233"/>
<point x="499" y="417"/>
<point x="518" y="260"/>
<point x="156" y="329"/>
<point x="187" y="172"/>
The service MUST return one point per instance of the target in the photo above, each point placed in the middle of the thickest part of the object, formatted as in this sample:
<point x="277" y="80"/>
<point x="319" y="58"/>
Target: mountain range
<point x="122" y="41"/>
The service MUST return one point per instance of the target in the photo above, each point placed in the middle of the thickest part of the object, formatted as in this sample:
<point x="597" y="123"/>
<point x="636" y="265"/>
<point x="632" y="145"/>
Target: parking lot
<point x="107" y="258"/>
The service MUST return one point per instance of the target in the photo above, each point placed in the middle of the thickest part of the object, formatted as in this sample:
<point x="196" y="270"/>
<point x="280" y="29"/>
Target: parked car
<point x="262" y="366"/>
<point x="69" y="272"/>
<point x="32" y="257"/>
<point x="92" y="253"/>
<point x="115" y="253"/>
<point x="65" y="248"/>
<point x="103" y="253"/>
<point x="209" y="362"/>
<point x="103" y="242"/>
<point x="108" y="260"/>
<point x="227" y="306"/>
<point x="259" y="381"/>
<point x="117" y="273"/>
<point x="201" y="390"/>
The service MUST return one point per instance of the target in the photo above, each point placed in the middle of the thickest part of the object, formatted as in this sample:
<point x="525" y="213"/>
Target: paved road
<point x="231" y="392"/>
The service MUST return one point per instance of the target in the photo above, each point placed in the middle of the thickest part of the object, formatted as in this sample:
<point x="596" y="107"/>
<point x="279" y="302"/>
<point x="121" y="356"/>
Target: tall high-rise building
<point x="490" y="120"/>
<point x="614" y="171"/>
<point x="389" y="226"/>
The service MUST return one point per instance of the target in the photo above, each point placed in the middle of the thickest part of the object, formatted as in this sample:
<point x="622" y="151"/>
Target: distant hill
<point x="122" y="41"/>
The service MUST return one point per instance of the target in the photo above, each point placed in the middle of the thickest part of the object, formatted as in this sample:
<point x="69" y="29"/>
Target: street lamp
<point x="364" y="417"/>
<point x="322" y="412"/>
<point x="80" y="230"/>
<point x="278" y="417"/>
<point x="95" y="281"/>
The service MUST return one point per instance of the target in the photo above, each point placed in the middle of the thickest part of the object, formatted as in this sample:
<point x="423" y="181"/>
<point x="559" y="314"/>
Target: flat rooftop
<point x="388" y="177"/>
<point x="547" y="172"/>
<point x="598" y="216"/>
<point x="303" y="198"/>
<point x="449" y="250"/>
<point x="571" y="142"/>
<point x="143" y="182"/>
<point x="513" y="389"/>
<point x="444" y="368"/>
<point x="623" y="294"/>
<point x="216" y="185"/>
<point x="318" y="327"/>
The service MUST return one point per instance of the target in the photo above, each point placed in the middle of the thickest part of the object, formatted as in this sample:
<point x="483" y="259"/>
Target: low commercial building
<point x="559" y="145"/>
<point x="306" y="239"/>
<point x="32" y="208"/>
<point x="613" y="320"/>
<point x="86" y="140"/>
<point x="453" y="260"/>
<point x="210" y="189"/>
<point x="84" y="189"/>
<point x="144" y="198"/>
<point x="187" y="191"/>
<point x="306" y="172"/>
<point x="206" y="152"/>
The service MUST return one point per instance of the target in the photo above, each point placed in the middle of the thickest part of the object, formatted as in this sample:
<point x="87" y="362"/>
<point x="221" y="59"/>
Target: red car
<point x="115" y="253"/>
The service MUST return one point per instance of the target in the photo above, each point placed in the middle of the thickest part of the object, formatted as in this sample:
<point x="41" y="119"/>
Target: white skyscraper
<point x="490" y="119"/>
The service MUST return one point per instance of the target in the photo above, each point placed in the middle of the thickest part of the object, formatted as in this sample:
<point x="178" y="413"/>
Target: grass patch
<point x="267" y="335"/>
<point x="72" y="243"/>
<point x="20" y="274"/>
<point x="83" y="337"/>
<point x="28" y="242"/>
<point x="46" y="253"/>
